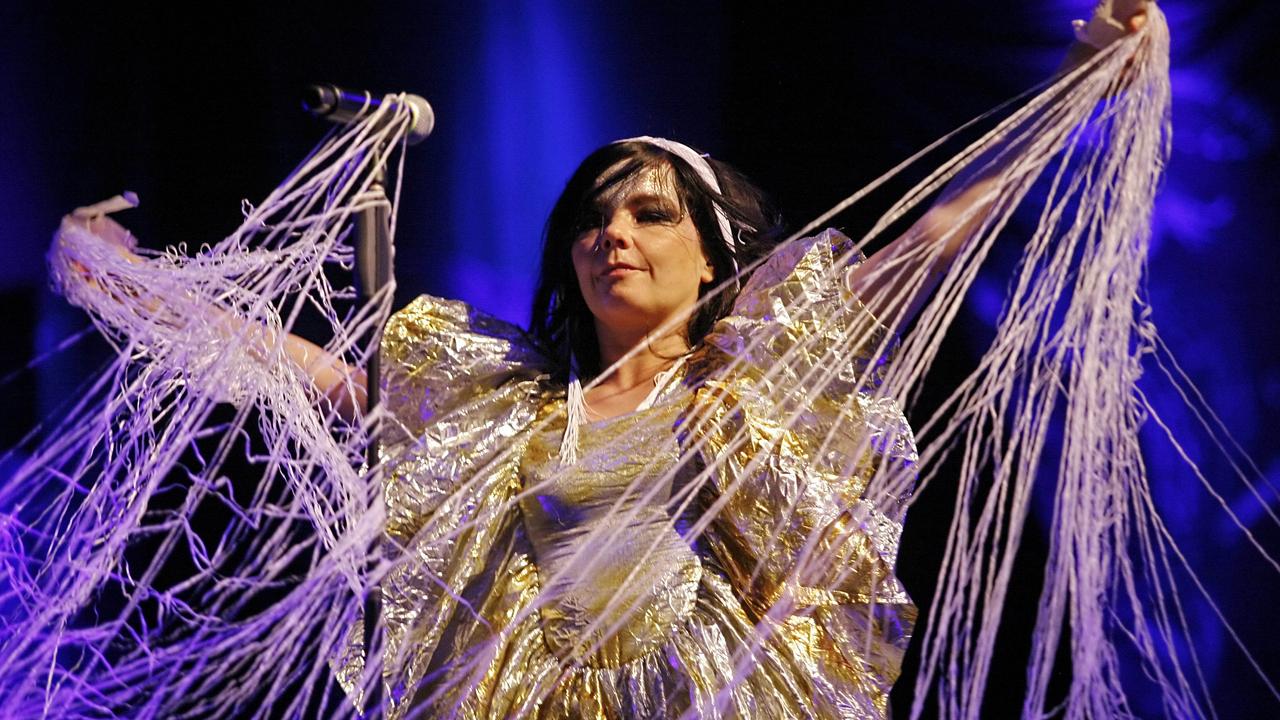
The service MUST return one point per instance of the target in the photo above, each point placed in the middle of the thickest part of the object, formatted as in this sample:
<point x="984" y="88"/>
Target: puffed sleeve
<point x="458" y="387"/>
<point x="795" y="519"/>
<point x="461" y="389"/>
<point x="440" y="354"/>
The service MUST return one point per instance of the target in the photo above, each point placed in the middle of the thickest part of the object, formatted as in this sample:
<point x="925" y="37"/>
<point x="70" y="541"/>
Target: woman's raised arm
<point x="896" y="282"/>
<point x="334" y="382"/>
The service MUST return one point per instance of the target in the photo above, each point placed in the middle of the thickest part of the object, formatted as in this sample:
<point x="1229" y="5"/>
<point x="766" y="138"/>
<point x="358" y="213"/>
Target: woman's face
<point x="641" y="263"/>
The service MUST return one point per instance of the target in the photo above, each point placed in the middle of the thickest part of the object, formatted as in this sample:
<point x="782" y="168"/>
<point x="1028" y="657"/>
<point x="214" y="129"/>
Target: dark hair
<point x="561" y="321"/>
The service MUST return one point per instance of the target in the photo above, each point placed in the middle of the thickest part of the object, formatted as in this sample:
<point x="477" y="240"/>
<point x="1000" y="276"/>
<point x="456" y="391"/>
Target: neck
<point x="652" y="355"/>
<point x="625" y="388"/>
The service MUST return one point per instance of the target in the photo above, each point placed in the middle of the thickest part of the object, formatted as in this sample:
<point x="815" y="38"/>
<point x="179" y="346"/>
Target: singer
<point x="680" y="493"/>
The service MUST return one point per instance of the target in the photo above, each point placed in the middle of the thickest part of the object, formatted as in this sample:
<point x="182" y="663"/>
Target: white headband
<point x="703" y="168"/>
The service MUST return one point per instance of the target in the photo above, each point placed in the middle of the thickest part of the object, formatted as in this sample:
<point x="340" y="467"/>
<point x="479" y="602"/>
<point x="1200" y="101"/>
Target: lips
<point x="617" y="269"/>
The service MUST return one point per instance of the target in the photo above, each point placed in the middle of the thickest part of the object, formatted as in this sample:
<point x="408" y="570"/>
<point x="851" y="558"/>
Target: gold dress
<point x="601" y="590"/>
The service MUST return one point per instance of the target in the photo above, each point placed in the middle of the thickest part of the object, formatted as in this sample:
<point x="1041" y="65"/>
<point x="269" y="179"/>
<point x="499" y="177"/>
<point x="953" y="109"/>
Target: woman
<point x="609" y="546"/>
<point x="656" y="543"/>
<point x="602" y="564"/>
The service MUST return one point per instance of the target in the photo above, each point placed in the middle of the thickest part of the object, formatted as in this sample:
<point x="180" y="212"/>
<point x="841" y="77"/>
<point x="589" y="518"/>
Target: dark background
<point x="196" y="108"/>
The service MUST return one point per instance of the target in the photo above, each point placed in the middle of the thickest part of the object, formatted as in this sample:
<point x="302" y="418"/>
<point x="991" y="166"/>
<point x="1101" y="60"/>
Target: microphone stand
<point x="373" y="274"/>
<point x="373" y="271"/>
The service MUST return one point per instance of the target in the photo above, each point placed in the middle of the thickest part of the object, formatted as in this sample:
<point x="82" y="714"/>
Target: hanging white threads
<point x="1095" y="220"/>
<point x="109" y="505"/>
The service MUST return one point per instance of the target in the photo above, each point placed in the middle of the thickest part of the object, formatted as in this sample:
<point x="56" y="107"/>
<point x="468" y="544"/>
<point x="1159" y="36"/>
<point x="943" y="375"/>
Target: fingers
<point x="1112" y="20"/>
<point x="1137" y="20"/>
<point x="95" y="219"/>
<point x="123" y="201"/>
<point x="113" y="232"/>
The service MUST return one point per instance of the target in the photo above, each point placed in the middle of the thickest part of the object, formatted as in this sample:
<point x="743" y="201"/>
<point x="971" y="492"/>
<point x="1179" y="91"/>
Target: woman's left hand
<point x="1112" y="20"/>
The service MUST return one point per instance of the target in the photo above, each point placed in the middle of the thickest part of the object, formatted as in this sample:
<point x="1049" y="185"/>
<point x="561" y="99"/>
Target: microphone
<point x="339" y="105"/>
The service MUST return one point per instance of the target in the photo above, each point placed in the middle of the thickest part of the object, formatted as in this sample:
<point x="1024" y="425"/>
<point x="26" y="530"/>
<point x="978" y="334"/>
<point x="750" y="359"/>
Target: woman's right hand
<point x="95" y="269"/>
<point x="105" y="228"/>
<point x="342" y="386"/>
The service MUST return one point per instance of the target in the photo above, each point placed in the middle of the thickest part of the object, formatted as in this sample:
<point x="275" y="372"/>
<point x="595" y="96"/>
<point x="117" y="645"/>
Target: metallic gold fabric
<point x="608" y="548"/>
<point x="526" y="589"/>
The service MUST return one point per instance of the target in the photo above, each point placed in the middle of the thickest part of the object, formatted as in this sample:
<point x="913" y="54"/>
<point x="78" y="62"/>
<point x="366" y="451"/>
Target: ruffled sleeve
<point x="439" y="355"/>
<point x="796" y="315"/>
<point x="462" y="390"/>
<point x="788" y="414"/>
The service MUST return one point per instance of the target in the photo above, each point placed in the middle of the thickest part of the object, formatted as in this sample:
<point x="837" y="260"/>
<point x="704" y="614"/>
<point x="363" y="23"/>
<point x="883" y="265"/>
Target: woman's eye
<point x="587" y="223"/>
<point x="654" y="215"/>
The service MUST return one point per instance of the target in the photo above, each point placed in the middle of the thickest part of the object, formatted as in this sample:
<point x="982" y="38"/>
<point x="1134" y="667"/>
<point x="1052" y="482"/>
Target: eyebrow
<point x="601" y="203"/>
<point x="646" y="197"/>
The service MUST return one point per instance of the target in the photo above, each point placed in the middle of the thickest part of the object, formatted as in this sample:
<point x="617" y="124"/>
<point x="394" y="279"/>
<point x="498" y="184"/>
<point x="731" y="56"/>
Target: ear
<point x="708" y="271"/>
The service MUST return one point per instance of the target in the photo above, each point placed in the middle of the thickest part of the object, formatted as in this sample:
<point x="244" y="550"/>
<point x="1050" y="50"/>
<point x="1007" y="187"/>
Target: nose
<point x="615" y="232"/>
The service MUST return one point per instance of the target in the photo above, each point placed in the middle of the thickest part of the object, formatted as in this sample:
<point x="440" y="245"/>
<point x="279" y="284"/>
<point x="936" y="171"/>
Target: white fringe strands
<point x="117" y="497"/>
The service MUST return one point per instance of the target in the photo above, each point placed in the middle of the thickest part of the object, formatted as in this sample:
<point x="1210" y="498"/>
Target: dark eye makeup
<point x="646" y="209"/>
<point x="654" y="214"/>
